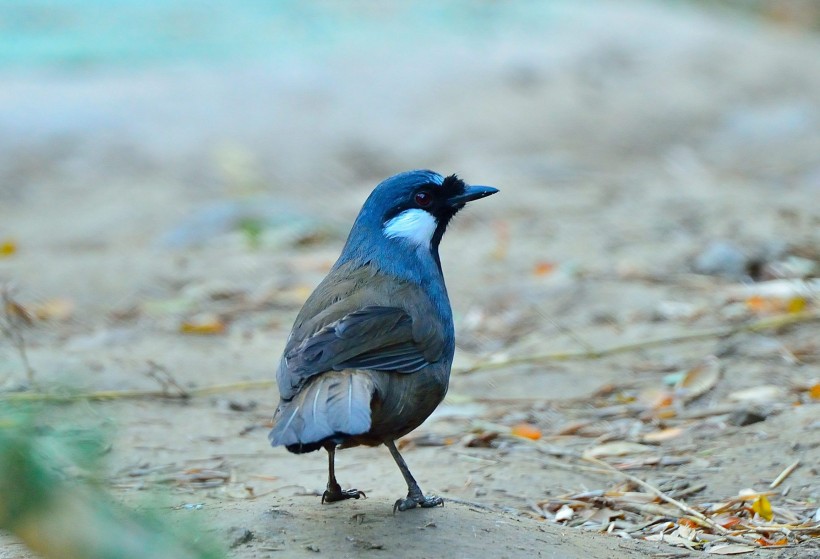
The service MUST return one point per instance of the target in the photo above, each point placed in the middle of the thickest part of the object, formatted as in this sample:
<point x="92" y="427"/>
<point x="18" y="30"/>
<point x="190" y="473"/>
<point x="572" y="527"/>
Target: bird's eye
<point x="423" y="198"/>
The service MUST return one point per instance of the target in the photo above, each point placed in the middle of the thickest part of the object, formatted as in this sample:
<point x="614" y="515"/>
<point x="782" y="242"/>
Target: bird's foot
<point x="417" y="500"/>
<point x="331" y="495"/>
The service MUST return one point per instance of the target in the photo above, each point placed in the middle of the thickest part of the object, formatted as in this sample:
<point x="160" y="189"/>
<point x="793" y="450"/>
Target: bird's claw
<point x="413" y="501"/>
<point x="341" y="495"/>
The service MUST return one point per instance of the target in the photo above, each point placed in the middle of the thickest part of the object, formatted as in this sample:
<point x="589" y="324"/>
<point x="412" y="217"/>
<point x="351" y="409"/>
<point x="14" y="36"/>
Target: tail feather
<point x="330" y="407"/>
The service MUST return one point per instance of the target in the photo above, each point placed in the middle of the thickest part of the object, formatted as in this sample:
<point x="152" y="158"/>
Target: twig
<point x="784" y="474"/>
<point x="166" y="380"/>
<point x="106" y="395"/>
<point x="15" y="316"/>
<point x="774" y="322"/>
<point x="661" y="495"/>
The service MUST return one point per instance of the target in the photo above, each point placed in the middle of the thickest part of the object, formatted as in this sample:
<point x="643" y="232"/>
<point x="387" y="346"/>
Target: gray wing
<point x="374" y="337"/>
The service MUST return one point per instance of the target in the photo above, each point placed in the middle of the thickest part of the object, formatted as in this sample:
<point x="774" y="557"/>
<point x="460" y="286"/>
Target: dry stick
<point x="15" y="318"/>
<point x="661" y="495"/>
<point x="763" y="324"/>
<point x="104" y="395"/>
<point x="722" y="332"/>
<point x="784" y="474"/>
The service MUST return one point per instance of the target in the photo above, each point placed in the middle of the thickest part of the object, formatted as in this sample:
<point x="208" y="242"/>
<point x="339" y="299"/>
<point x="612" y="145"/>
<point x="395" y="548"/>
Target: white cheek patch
<point x="416" y="226"/>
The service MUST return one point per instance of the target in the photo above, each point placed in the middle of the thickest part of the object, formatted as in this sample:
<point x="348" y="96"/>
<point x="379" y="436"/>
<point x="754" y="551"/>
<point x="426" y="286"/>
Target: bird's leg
<point x="334" y="491"/>
<point x="415" y="498"/>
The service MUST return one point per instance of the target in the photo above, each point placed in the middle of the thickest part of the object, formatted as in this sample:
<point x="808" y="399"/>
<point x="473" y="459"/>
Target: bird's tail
<point x="329" y="408"/>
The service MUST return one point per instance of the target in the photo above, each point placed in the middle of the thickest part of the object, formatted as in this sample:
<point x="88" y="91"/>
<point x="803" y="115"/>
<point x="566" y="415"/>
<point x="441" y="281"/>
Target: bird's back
<point x="368" y="360"/>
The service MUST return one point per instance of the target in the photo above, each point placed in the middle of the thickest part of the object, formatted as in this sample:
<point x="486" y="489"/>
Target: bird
<point x="368" y="358"/>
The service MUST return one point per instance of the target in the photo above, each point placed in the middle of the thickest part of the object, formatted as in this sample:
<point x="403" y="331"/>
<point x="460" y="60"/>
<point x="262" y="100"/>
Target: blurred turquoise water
<point x="63" y="34"/>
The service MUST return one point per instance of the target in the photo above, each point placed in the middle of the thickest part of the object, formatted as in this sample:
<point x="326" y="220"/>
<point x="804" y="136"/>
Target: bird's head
<point x="416" y="206"/>
<point x="410" y="211"/>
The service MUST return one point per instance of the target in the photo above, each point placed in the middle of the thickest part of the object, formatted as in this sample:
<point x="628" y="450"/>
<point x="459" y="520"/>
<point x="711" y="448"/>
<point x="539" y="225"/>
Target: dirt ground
<point x="652" y="162"/>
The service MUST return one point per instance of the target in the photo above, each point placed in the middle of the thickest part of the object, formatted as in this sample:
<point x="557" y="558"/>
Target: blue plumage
<point x="369" y="356"/>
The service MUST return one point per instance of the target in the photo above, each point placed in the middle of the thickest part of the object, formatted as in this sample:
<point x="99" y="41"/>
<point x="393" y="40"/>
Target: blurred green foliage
<point x="52" y="500"/>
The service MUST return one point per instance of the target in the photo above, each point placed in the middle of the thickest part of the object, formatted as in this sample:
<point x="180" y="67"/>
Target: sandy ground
<point x="626" y="140"/>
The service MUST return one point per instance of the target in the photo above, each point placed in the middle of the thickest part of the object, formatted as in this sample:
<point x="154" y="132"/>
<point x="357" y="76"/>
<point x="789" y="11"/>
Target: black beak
<point x="471" y="193"/>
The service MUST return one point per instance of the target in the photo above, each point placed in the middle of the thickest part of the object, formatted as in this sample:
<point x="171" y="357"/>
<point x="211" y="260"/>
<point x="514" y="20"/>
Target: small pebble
<point x="722" y="258"/>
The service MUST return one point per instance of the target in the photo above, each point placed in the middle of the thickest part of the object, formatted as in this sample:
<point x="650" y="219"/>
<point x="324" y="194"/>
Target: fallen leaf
<point x="617" y="448"/>
<point x="427" y="439"/>
<point x="762" y="394"/>
<point x="7" y="248"/>
<point x="814" y="391"/>
<point x="731" y="549"/>
<point x="763" y="507"/>
<point x="16" y="311"/>
<point x="688" y="523"/>
<point x="796" y="305"/>
<point x="781" y="289"/>
<point x="662" y="435"/>
<point x="564" y="513"/>
<point x="699" y="380"/>
<point x="543" y="268"/>
<point x="749" y="494"/>
<point x="671" y="539"/>
<point x="481" y="440"/>
<point x="55" y="309"/>
<point x="770" y="543"/>
<point x="727" y="521"/>
<point x="759" y="304"/>
<point x="203" y="325"/>
<point x="605" y="515"/>
<point x="526" y="431"/>
<point x="656" y="398"/>
<point x="690" y="533"/>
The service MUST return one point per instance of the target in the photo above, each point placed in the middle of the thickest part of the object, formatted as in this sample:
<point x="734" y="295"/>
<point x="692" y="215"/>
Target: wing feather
<point x="372" y="338"/>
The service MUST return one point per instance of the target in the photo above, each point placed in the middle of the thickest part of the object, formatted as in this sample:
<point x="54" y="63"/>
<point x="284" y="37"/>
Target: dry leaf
<point x="727" y="521"/>
<point x="481" y="440"/>
<point x="655" y="398"/>
<point x="7" y="247"/>
<point x="761" y="394"/>
<point x="605" y="515"/>
<point x="814" y="391"/>
<point x="731" y="549"/>
<point x="749" y="494"/>
<point x="782" y="289"/>
<point x="15" y="310"/>
<point x="688" y="523"/>
<point x="760" y="304"/>
<point x="796" y="305"/>
<point x="55" y="309"/>
<point x="763" y="507"/>
<point x="564" y="513"/>
<point x="617" y="448"/>
<point x="671" y="539"/>
<point x="699" y="380"/>
<point x="771" y="543"/>
<point x="662" y="435"/>
<point x="543" y="268"/>
<point x="203" y="325"/>
<point x="687" y="532"/>
<point x="526" y="431"/>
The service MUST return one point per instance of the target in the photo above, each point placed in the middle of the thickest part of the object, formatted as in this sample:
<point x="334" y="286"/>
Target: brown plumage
<point x="366" y="319"/>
